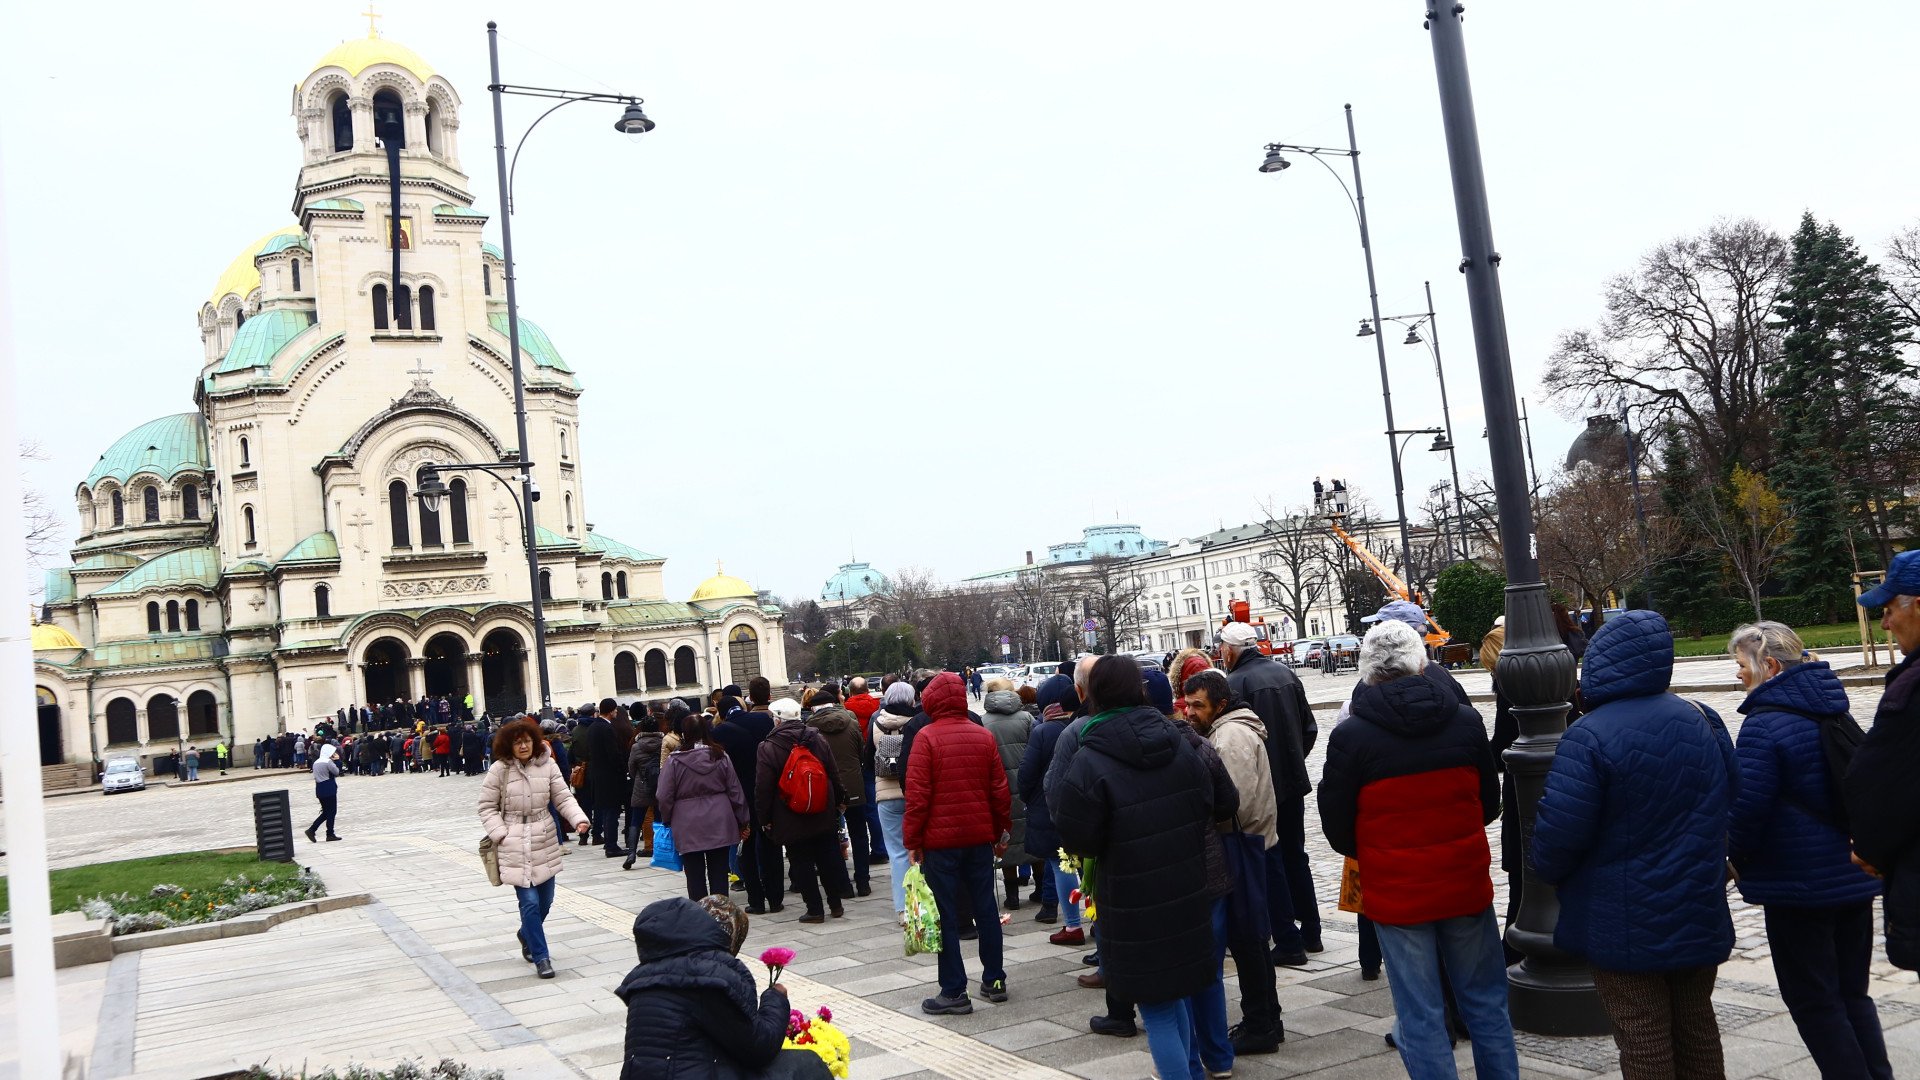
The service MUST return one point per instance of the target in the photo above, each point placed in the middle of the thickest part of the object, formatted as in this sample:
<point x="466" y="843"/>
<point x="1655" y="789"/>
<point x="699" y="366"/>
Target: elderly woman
<point x="514" y="797"/>
<point x="884" y="732"/>
<point x="1791" y="851"/>
<point x="1633" y="830"/>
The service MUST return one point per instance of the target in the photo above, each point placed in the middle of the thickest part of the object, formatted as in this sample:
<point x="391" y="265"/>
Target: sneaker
<point x="1071" y="935"/>
<point x="1107" y="1025"/>
<point x="1292" y="959"/>
<point x="995" y="991"/>
<point x="312" y="837"/>
<point x="1047" y="914"/>
<point x="1249" y="1040"/>
<point x="1219" y="1074"/>
<point x="957" y="1005"/>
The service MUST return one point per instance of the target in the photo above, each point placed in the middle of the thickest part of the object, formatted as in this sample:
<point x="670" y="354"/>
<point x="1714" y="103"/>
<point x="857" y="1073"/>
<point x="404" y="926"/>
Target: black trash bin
<point x="273" y="825"/>
<point x="166" y="765"/>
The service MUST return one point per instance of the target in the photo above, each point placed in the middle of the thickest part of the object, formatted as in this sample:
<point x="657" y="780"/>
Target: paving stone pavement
<point x="432" y="968"/>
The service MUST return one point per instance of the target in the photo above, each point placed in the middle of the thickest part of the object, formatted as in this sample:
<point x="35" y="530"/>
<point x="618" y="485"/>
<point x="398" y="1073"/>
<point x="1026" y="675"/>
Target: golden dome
<point x="360" y="54"/>
<point x="48" y="636"/>
<point x="722" y="586"/>
<point x="241" y="276"/>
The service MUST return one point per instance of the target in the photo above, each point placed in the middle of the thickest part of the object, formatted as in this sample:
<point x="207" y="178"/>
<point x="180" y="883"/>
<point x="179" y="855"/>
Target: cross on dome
<point x="373" y="29"/>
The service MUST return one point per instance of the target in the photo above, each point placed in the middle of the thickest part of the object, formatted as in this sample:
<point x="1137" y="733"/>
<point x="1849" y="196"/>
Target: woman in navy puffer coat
<point x="1793" y="855"/>
<point x="1633" y="830"/>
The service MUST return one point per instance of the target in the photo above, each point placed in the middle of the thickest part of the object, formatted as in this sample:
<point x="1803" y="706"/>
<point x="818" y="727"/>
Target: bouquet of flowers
<point x="776" y="961"/>
<point x="817" y="1033"/>
<point x="1083" y="868"/>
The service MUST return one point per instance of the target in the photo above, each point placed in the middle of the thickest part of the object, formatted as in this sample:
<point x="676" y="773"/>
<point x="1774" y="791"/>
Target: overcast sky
<point x="939" y="284"/>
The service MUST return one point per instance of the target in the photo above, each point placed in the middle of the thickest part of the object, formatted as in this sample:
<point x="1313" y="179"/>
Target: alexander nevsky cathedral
<point x="257" y="563"/>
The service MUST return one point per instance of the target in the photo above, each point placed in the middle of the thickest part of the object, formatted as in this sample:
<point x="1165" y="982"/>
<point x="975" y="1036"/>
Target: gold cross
<point x="373" y="29"/>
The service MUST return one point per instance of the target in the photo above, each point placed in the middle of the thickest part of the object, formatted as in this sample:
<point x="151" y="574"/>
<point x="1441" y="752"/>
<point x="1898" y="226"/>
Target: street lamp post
<point x="1550" y="991"/>
<point x="1277" y="162"/>
<point x="1413" y="323"/>
<point x="1442" y="444"/>
<point x="633" y="122"/>
<point x="1639" y="507"/>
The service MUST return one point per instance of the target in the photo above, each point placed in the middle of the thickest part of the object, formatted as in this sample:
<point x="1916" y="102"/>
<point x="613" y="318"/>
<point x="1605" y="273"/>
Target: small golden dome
<point x="241" y="276"/>
<point x="722" y="586"/>
<point x="47" y="636"/>
<point x="360" y="54"/>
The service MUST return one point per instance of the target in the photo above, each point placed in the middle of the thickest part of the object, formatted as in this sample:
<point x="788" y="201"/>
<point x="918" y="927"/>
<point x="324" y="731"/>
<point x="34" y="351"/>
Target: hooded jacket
<point x="1042" y="840"/>
<point x="1883" y="804"/>
<point x="513" y="813"/>
<point x="956" y="771"/>
<point x="692" y="1013"/>
<point x="770" y="808"/>
<point x="889" y="721"/>
<point x="1138" y="799"/>
<point x="1240" y="739"/>
<point x="700" y="800"/>
<point x="863" y="706"/>
<point x="1408" y="789"/>
<point x="1633" y="824"/>
<point x="842" y="730"/>
<point x="1274" y="693"/>
<point x="643" y="765"/>
<point x="1785" y="837"/>
<point x="1011" y="726"/>
<point x="740" y="734"/>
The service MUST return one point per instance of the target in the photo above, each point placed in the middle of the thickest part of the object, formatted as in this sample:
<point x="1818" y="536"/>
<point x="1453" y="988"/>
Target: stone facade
<point x="256" y="564"/>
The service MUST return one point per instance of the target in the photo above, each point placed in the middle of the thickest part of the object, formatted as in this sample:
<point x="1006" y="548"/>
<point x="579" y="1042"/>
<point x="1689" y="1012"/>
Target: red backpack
<point x="803" y="781"/>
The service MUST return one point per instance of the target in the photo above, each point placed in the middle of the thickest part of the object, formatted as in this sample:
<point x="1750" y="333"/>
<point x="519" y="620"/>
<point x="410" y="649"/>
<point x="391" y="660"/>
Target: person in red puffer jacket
<point x="956" y="767"/>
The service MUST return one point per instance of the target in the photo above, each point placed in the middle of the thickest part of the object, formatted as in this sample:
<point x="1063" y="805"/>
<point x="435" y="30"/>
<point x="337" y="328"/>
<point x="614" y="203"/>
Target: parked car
<point x="1307" y="652"/>
<point x="999" y="671"/>
<point x="1040" y="672"/>
<point x="1149" y="661"/>
<point x="1346" y="650"/>
<point x="122" y="774"/>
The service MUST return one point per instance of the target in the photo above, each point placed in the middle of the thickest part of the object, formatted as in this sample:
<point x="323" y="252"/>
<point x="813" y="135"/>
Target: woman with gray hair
<point x="1790" y="850"/>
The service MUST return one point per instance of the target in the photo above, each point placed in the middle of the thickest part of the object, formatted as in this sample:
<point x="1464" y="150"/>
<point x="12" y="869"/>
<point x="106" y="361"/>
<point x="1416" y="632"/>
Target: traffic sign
<point x="1090" y="626"/>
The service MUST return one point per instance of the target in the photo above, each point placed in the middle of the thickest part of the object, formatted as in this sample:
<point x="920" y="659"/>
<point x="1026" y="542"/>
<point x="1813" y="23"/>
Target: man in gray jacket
<point x="1275" y="695"/>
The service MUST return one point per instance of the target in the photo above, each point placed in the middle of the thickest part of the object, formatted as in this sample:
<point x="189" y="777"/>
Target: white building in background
<point x="256" y="563"/>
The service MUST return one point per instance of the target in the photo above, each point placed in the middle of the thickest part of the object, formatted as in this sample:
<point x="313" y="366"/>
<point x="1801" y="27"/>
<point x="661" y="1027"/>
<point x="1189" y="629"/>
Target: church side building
<point x="256" y="563"/>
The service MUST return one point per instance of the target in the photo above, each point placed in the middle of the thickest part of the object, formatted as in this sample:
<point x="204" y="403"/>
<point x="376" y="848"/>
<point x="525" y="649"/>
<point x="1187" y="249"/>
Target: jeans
<point x="1470" y="947"/>
<point x="952" y="873"/>
<point x="817" y="866"/>
<point x="534" y="905"/>
<point x="1170" y="1040"/>
<point x="1209" y="1007"/>
<point x="706" y="872"/>
<point x="761" y="870"/>
<point x="193" y="772"/>
<point x="893" y="815"/>
<point x="606" y="822"/>
<point x="1663" y="1022"/>
<point x="1295" y="881"/>
<point x="856" y="822"/>
<point x="1063" y="886"/>
<point x="328" y="792"/>
<point x="1369" y="946"/>
<point x="870" y="814"/>
<point x="1820" y="956"/>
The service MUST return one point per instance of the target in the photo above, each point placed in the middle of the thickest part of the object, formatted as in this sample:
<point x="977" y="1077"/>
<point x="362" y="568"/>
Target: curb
<point x="254" y="922"/>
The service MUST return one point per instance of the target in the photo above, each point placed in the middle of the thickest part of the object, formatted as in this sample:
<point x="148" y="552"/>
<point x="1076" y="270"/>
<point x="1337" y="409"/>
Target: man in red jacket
<point x="956" y="767"/>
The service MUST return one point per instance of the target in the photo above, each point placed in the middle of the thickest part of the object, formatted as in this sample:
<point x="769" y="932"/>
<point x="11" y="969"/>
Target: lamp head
<point x="1441" y="444"/>
<point x="1275" y="163"/>
<point x="429" y="488"/>
<point x="1413" y="337"/>
<point x="1366" y="329"/>
<point x="634" y="122"/>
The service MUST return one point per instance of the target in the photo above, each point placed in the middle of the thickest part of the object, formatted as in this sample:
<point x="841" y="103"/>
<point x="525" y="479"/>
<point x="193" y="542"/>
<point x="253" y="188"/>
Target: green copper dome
<point x="193" y="567"/>
<point x="610" y="548"/>
<point x="282" y="241"/>
<point x="168" y="447"/>
<point x="321" y="547"/>
<point x="262" y="338"/>
<point x="534" y="342"/>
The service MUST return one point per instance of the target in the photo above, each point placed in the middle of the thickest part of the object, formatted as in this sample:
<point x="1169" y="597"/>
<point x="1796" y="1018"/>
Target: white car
<point x="1035" y="674"/>
<point x="123" y="774"/>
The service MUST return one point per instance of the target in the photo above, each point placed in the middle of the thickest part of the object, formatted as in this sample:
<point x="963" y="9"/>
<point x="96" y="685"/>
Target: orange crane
<point x="1438" y="635"/>
<point x="1241" y="611"/>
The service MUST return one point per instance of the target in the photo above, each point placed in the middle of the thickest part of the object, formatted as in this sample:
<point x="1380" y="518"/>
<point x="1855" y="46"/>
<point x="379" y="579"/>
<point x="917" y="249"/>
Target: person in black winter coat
<point x="1883" y="802"/>
<point x="1274" y="693"/>
<point x="692" y="1010"/>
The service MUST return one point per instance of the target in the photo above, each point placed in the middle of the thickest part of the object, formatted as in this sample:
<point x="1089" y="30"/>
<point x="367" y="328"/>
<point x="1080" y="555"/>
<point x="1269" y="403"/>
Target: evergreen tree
<point x="1689" y="579"/>
<point x="1841" y="396"/>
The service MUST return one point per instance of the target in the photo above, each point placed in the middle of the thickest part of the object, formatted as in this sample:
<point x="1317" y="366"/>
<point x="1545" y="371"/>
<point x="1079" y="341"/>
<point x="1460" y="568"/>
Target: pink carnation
<point x="777" y="957"/>
<point x="826" y="1014"/>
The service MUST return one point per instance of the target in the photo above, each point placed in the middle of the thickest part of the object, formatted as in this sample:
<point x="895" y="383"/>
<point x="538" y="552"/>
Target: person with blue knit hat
<point x="1882" y="800"/>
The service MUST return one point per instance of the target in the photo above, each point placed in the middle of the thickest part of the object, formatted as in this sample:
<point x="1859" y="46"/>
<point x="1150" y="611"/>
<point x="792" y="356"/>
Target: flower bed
<point x="171" y="905"/>
<point x="411" y="1069"/>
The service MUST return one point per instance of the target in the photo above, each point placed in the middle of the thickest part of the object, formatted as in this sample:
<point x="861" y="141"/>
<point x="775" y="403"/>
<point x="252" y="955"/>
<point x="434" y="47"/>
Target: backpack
<point x="803" y="781"/>
<point x="887" y="747"/>
<point x="1840" y="738"/>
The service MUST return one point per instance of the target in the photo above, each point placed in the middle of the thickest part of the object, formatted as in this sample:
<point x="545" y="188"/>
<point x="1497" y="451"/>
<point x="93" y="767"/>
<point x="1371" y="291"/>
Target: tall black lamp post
<point x="633" y="122"/>
<point x="1276" y="162"/>
<point x="1413" y="323"/>
<point x="1550" y="992"/>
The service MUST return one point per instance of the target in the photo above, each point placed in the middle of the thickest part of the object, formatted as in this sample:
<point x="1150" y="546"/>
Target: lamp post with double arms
<point x="633" y="122"/>
<point x="1442" y="444"/>
<point x="1413" y="323"/>
<point x="1276" y="161"/>
<point x="1549" y="991"/>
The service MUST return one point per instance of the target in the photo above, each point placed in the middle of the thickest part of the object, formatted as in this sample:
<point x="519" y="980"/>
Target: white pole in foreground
<point x="35" y="996"/>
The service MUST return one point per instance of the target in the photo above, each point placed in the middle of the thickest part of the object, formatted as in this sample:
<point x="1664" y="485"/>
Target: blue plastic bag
<point x="664" y="855"/>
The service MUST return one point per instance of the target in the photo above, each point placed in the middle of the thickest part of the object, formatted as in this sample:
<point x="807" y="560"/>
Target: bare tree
<point x="1292" y="568"/>
<point x="1112" y="591"/>
<point x="1903" y="272"/>
<point x="910" y="598"/>
<point x="1748" y="522"/>
<point x="42" y="525"/>
<point x="1588" y="534"/>
<point x="1036" y="610"/>
<point x="1689" y="335"/>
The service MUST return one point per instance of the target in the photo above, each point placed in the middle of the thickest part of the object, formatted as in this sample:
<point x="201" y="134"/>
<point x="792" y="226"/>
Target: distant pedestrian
<point x="191" y="761"/>
<point x="221" y="752"/>
<point x="1632" y="829"/>
<point x="521" y="784"/>
<point x="1883" y="799"/>
<point x="326" y="788"/>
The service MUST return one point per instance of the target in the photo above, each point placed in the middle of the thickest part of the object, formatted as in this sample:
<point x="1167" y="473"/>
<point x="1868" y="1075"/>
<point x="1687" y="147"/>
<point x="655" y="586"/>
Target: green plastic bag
<point x="923" y="917"/>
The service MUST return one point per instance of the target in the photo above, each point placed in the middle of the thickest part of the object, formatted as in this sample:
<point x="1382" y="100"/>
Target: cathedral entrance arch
<point x="385" y="666"/>
<point x="446" y="667"/>
<point x="52" y="751"/>
<point x="656" y="669"/>
<point x="503" y="671"/>
<point x="684" y="673"/>
<point x="203" y="713"/>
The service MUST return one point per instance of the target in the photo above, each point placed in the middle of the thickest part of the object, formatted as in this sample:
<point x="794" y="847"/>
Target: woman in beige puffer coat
<point x="522" y="781"/>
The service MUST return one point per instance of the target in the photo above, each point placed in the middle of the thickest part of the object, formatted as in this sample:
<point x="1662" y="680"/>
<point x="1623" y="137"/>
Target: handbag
<point x="923" y="915"/>
<point x="1350" y="888"/>
<point x="665" y="855"/>
<point x="578" y="777"/>
<point x="1247" y="864"/>
<point x="490" y="858"/>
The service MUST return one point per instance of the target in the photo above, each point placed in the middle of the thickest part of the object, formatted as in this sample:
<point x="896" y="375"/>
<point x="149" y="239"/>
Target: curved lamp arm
<point x="512" y="168"/>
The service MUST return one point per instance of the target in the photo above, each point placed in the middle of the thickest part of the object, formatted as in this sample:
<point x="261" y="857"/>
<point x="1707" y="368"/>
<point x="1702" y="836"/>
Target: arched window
<point x="426" y="307"/>
<point x="606" y="586"/>
<point x="190" y="502"/>
<point x="656" y="670"/>
<point x="626" y="673"/>
<point x="322" y="602"/>
<point x="123" y="726"/>
<point x="563" y="444"/>
<point x="457" y="511"/>
<point x="150" y="503"/>
<point x="569" y="511"/>
<point x="379" y="307"/>
<point x="246" y="453"/>
<point x="342" y="123"/>
<point x="119" y="509"/>
<point x="389" y="119"/>
<point x="397" y="513"/>
<point x="239" y="318"/>
<point x="296" y="275"/>
<point x="434" y="136"/>
<point x="246" y="524"/>
<point x="429" y="526"/>
<point x="173" y="616"/>
<point x="486" y="279"/>
<point x="193" y="615"/>
<point x="546" y="584"/>
<point x="402" y="308"/>
<point x="153" y="617"/>
<point x="684" y="664"/>
<point x="163" y="718"/>
<point x="620" y="584"/>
